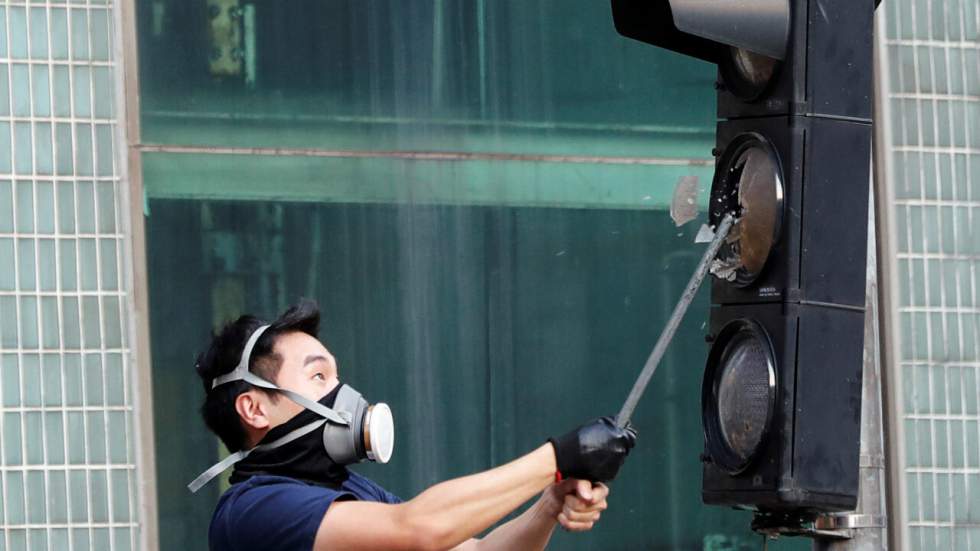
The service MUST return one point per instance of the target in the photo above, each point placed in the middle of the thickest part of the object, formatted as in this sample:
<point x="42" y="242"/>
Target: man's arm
<point x="442" y="516"/>
<point x="452" y="512"/>
<point x="575" y="504"/>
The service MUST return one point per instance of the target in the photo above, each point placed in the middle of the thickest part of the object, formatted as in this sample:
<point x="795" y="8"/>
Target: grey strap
<point x="241" y="373"/>
<point x="242" y="368"/>
<point x="316" y="407"/>
<point x="219" y="467"/>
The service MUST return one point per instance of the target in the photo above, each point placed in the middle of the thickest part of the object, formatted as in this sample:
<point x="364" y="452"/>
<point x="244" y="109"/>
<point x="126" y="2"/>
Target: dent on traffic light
<point x="781" y="397"/>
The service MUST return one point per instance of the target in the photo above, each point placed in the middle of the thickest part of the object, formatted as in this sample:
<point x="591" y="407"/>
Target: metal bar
<point x="143" y="501"/>
<point x="674" y="322"/>
<point x="887" y="257"/>
<point x="866" y="528"/>
<point x="421" y="155"/>
<point x="240" y="115"/>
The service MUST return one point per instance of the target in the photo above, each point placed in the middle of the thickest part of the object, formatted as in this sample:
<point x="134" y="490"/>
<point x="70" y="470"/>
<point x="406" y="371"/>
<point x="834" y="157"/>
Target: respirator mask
<point x="352" y="430"/>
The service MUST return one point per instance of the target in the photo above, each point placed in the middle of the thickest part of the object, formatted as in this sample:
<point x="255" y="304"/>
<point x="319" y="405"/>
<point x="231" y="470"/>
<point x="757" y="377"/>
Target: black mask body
<point x="303" y="459"/>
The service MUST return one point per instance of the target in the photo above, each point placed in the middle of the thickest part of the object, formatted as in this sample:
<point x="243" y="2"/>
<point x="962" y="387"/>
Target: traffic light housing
<point x="781" y="397"/>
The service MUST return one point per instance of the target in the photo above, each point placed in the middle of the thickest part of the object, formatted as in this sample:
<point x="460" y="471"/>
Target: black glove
<point x="595" y="451"/>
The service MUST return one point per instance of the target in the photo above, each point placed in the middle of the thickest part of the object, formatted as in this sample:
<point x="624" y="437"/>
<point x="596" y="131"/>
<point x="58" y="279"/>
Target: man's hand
<point x="595" y="451"/>
<point x="582" y="504"/>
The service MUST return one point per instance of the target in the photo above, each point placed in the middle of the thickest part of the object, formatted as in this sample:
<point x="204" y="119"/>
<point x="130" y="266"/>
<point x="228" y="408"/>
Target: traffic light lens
<point x="748" y="74"/>
<point x="743" y="391"/>
<point x="749" y="184"/>
<point x="760" y="198"/>
<point x="739" y="395"/>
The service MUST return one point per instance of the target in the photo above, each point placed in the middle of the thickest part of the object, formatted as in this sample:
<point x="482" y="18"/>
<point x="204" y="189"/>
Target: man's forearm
<point x="463" y="507"/>
<point x="442" y="517"/>
<point x="531" y="531"/>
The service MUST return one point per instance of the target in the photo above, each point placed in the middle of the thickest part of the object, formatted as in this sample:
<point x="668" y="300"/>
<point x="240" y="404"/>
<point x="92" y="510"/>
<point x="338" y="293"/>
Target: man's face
<point x="307" y="368"/>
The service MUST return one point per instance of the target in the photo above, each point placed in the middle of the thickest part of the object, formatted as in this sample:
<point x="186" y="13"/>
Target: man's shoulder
<point x="277" y="512"/>
<point x="269" y="512"/>
<point x="262" y="487"/>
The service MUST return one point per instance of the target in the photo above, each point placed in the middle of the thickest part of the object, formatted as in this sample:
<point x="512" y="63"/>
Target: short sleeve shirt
<point x="276" y="513"/>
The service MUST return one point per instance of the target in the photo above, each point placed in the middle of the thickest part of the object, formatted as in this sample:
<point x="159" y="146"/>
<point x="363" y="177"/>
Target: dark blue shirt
<point x="276" y="513"/>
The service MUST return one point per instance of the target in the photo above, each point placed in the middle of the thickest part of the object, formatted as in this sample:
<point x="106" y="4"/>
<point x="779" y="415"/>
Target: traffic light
<point x="781" y="397"/>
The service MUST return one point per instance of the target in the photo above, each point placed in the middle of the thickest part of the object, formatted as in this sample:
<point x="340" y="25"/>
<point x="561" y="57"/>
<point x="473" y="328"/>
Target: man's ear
<point x="251" y="408"/>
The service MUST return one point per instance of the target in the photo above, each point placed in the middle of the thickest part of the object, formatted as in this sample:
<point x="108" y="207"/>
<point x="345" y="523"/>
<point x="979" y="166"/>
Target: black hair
<point x="223" y="355"/>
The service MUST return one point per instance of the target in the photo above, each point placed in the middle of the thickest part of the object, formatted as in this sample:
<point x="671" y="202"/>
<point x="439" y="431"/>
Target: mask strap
<point x="220" y="466"/>
<point x="241" y="373"/>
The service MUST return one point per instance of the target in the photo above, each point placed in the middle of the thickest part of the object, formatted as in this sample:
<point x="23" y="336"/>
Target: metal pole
<point x="674" y="322"/>
<point x="866" y="527"/>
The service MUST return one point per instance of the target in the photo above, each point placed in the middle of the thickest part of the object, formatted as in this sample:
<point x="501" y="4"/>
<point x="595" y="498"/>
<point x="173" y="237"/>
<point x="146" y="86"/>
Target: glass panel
<point x="41" y="85"/>
<point x="30" y="366"/>
<point x="4" y="89"/>
<point x="106" y="201"/>
<point x="85" y="197"/>
<point x="6" y="149"/>
<point x="14" y="498"/>
<point x="10" y="377"/>
<point x="8" y="322"/>
<point x="77" y="496"/>
<point x="113" y="326"/>
<point x="525" y="77"/>
<point x="49" y="322"/>
<point x="12" y="433"/>
<point x="108" y="259"/>
<point x="54" y="438"/>
<point x="59" y="34"/>
<point x="58" y="501"/>
<point x="76" y="438"/>
<point x="93" y="380"/>
<point x="20" y="86"/>
<point x="96" y="441"/>
<point x="8" y="278"/>
<point x="35" y="497"/>
<point x="52" y="373"/>
<point x="18" y="32"/>
<point x="27" y="264"/>
<point x="59" y="537"/>
<point x="28" y="322"/>
<point x="6" y="204"/>
<point x="89" y="269"/>
<point x="24" y="207"/>
<point x="91" y="323"/>
<point x="82" y="90"/>
<point x="73" y="380"/>
<point x="72" y="324"/>
<point x="115" y="380"/>
<point x="34" y="444"/>
<point x="38" y="33"/>
<point x="45" y="207"/>
<point x="120" y="496"/>
<point x="80" y="538"/>
<point x="99" y="488"/>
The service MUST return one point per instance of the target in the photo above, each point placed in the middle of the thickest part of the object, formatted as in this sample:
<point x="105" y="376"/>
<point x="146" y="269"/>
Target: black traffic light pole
<point x="781" y="398"/>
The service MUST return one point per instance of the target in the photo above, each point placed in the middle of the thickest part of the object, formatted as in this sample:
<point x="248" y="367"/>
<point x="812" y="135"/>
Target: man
<point x="292" y="490"/>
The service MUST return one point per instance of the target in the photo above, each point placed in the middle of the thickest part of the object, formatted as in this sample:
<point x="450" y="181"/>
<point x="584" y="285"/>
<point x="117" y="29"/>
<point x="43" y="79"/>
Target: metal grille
<point x="934" y="99"/>
<point x="743" y="394"/>
<point x="67" y="466"/>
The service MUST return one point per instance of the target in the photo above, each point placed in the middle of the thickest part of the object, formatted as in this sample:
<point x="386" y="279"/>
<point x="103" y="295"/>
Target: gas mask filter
<point x="353" y="430"/>
<point x="369" y="435"/>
